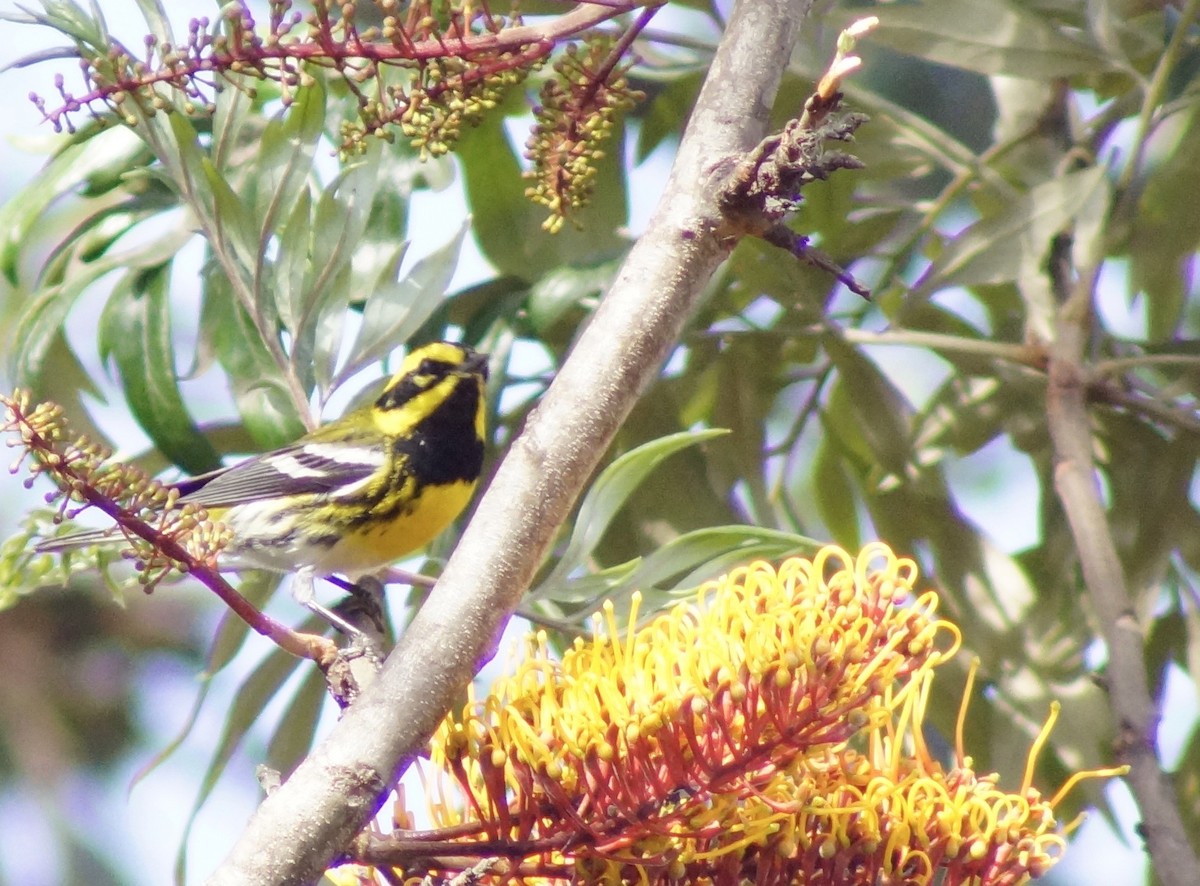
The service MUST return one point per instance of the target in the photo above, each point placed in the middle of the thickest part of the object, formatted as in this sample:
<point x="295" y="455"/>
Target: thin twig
<point x="82" y="488"/>
<point x="1145" y="404"/>
<point x="1153" y="96"/>
<point x="1032" y="356"/>
<point x="620" y="48"/>
<point x="1129" y="693"/>
<point x="1124" y="364"/>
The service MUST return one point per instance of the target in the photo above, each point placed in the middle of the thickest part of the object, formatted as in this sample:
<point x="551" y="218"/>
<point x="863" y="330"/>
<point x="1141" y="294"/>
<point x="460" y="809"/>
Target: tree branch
<point x="334" y="793"/>
<point x="1128" y="691"/>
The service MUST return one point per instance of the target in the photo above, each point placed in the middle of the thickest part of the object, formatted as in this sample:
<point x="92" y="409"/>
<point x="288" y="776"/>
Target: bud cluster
<point x="162" y="536"/>
<point x="426" y="68"/>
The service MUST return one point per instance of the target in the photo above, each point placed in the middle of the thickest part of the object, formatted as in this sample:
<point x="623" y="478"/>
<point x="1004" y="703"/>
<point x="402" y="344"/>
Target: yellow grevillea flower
<point x="768" y="730"/>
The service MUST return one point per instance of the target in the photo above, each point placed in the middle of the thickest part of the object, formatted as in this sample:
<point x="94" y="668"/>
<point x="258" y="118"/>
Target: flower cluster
<point x="576" y="115"/>
<point x="769" y="731"/>
<point x="427" y="68"/>
<point x="162" y="536"/>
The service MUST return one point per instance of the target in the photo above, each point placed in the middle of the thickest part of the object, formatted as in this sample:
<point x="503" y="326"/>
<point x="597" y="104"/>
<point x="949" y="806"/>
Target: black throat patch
<point x="444" y="448"/>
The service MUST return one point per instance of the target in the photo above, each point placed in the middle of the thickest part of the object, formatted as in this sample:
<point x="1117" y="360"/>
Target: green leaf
<point x="866" y="408"/>
<point x="1146" y="466"/>
<point x="256" y="587"/>
<point x="293" y="735"/>
<point x="609" y="493"/>
<point x="291" y="263"/>
<point x="965" y="414"/>
<point x="507" y="226"/>
<point x="262" y="397"/>
<point x="339" y="223"/>
<point x="748" y="380"/>
<point x="230" y="223"/>
<point x="989" y="37"/>
<point x="43" y="316"/>
<point x="22" y="214"/>
<point x="395" y="311"/>
<point x="1165" y="230"/>
<point x="135" y="328"/>
<point x="1166" y="644"/>
<point x="683" y="563"/>
<point x="836" y="501"/>
<point x="1187" y="784"/>
<point x="64" y="381"/>
<point x="36" y="329"/>
<point x="90" y="241"/>
<point x="190" y="171"/>
<point x="703" y="554"/>
<point x="232" y="114"/>
<point x="561" y="290"/>
<point x="249" y="700"/>
<point x="993" y="249"/>
<point x="70" y="19"/>
<point x="284" y="162"/>
<point x="37" y="58"/>
<point x="581" y="594"/>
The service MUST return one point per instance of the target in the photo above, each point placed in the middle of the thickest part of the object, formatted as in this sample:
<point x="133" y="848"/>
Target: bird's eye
<point x="427" y="367"/>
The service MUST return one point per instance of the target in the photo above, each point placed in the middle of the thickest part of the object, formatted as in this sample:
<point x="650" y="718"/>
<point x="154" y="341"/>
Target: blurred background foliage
<point x="192" y="288"/>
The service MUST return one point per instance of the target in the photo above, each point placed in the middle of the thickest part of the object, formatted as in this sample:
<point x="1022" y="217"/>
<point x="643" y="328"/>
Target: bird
<point x="358" y="493"/>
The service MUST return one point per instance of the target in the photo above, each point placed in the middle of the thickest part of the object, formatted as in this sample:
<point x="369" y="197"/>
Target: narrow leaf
<point x="43" y="316"/>
<point x="340" y="220"/>
<point x="993" y="250"/>
<point x="293" y="735"/>
<point x="702" y="554"/>
<point x="986" y="36"/>
<point x="261" y="395"/>
<point x="837" y="505"/>
<point x="865" y="406"/>
<point x="249" y="700"/>
<point x="284" y="165"/>
<point x="610" y="492"/>
<point x="135" y="328"/>
<point x="256" y="587"/>
<point x="21" y="215"/>
<point x="392" y="313"/>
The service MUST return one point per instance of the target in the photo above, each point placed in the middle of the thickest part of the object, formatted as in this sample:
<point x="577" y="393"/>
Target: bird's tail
<point x="73" y="541"/>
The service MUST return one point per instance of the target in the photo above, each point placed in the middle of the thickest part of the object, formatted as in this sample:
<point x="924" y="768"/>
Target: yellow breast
<point x="363" y="551"/>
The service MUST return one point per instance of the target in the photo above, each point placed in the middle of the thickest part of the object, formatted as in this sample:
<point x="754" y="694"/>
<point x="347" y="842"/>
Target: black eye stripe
<point x="429" y="366"/>
<point x="427" y="374"/>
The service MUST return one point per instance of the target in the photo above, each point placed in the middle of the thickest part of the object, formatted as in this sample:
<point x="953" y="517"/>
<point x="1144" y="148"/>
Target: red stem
<point x="303" y="645"/>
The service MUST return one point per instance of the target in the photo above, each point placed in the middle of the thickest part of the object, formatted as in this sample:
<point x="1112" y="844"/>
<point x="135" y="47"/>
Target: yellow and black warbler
<point x="358" y="493"/>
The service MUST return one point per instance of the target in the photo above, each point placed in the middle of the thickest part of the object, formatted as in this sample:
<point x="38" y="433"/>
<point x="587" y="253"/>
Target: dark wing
<point x="308" y="468"/>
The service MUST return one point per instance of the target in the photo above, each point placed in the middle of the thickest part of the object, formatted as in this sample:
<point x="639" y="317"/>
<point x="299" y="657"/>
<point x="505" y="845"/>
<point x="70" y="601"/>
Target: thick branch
<point x="1128" y="689"/>
<point x="333" y="793"/>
